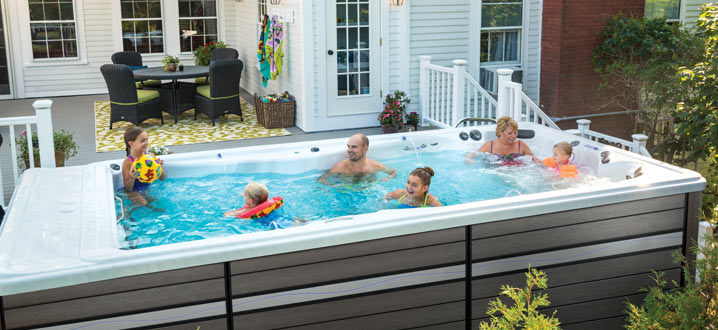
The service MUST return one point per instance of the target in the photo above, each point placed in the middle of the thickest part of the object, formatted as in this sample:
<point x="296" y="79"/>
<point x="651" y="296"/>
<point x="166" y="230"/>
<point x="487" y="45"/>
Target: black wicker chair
<point x="126" y="102"/>
<point x="216" y="55"/>
<point x="221" y="96"/>
<point x="134" y="60"/>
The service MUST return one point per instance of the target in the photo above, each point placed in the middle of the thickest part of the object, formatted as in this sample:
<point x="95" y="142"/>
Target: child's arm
<point x="164" y="174"/>
<point x="396" y="194"/>
<point x="235" y="213"/>
<point x="387" y="170"/>
<point x="128" y="175"/>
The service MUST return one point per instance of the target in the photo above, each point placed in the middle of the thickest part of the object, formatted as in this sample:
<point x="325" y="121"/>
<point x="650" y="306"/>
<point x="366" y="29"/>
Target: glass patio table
<point x="174" y="100"/>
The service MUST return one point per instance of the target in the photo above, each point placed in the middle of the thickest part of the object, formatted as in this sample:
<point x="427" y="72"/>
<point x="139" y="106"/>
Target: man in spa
<point x="357" y="166"/>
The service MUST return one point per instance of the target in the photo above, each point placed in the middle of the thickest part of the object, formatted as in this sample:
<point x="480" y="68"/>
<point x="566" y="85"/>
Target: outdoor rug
<point x="186" y="131"/>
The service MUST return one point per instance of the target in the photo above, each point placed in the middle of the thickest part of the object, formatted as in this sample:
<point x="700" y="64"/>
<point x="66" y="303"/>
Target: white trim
<point x="8" y="54"/>
<point x="308" y="109"/>
<point x="23" y="15"/>
<point x="17" y="52"/>
<point x="322" y="59"/>
<point x="474" y="38"/>
<point x="538" y="72"/>
<point x="383" y="50"/>
<point x="405" y="35"/>
<point x="116" y="11"/>
<point x="221" y="28"/>
<point x="526" y="16"/>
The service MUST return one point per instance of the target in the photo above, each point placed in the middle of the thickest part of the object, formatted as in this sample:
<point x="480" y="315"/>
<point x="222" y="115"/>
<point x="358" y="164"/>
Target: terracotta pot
<point x="390" y="129"/>
<point x="59" y="159"/>
<point x="171" y="67"/>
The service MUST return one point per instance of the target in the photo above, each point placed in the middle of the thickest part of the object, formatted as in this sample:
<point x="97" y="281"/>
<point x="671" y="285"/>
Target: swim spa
<point x="63" y="265"/>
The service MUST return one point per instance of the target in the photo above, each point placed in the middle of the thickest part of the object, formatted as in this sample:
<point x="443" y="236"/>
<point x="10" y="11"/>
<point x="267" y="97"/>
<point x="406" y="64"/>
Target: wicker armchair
<point x="221" y="96"/>
<point x="126" y="102"/>
<point x="134" y="61"/>
<point x="216" y="55"/>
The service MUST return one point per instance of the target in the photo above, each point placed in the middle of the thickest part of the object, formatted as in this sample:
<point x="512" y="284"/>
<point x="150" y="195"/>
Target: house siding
<point x="440" y="30"/>
<point x="532" y="60"/>
<point x="692" y="12"/>
<point x="245" y="30"/>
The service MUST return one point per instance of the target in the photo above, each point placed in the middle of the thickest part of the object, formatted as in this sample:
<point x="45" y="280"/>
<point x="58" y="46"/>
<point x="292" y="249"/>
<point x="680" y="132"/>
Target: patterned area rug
<point x="186" y="131"/>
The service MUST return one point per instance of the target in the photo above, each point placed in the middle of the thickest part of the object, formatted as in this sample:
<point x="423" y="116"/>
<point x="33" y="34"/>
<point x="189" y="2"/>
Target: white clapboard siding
<point x="692" y="11"/>
<point x="532" y="62"/>
<point x="439" y="29"/>
<point x="394" y="43"/>
<point x="247" y="31"/>
<point x="318" y="11"/>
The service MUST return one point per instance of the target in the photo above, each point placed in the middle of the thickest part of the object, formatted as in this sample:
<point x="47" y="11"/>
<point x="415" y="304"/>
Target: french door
<point x="5" y="81"/>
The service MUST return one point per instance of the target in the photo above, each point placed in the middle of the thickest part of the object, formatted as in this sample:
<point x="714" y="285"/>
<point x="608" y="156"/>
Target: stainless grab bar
<point x="122" y="208"/>
<point x="463" y="120"/>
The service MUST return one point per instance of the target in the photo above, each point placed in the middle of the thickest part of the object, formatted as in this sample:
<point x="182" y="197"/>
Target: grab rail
<point x="475" y="119"/>
<point x="122" y="208"/>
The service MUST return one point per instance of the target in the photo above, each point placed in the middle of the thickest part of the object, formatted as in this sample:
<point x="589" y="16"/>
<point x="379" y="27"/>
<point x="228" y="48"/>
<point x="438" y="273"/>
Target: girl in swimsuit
<point x="507" y="146"/>
<point x="416" y="193"/>
<point x="136" y="143"/>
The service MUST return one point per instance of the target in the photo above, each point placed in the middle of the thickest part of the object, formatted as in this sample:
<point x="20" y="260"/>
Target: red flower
<point x="204" y="50"/>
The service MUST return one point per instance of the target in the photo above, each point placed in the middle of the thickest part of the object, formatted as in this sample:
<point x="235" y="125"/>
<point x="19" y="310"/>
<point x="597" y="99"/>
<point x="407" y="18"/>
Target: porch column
<point x="457" y="107"/>
<point x="44" y="132"/>
<point x="424" y="61"/>
<point x="503" y="98"/>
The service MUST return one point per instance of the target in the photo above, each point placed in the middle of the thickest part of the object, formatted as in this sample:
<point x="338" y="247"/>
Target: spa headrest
<point x="526" y="134"/>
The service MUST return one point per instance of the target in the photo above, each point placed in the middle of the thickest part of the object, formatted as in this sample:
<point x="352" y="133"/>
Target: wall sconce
<point x="397" y="2"/>
<point x="275" y="2"/>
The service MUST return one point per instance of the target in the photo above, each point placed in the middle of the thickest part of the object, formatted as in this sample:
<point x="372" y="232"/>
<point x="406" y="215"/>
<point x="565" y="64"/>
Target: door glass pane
<point x="353" y="35"/>
<point x="4" y="69"/>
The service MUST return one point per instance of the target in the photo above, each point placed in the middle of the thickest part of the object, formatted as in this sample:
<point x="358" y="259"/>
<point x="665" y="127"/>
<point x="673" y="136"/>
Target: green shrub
<point x="523" y="314"/>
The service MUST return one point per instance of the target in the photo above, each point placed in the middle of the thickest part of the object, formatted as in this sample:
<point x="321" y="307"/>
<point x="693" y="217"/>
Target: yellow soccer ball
<point x="148" y="168"/>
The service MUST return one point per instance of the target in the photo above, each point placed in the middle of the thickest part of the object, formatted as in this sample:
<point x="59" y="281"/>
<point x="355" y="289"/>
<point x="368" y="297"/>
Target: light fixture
<point x="275" y="2"/>
<point x="397" y="2"/>
<point x="237" y="0"/>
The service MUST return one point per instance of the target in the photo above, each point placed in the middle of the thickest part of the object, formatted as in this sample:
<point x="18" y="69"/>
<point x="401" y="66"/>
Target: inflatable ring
<point x="263" y="209"/>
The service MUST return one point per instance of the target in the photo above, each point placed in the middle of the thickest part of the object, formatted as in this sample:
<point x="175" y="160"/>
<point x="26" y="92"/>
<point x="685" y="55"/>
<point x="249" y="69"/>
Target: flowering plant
<point x="202" y="53"/>
<point x="393" y="113"/>
<point x="64" y="145"/>
<point x="170" y="59"/>
<point x="160" y="150"/>
<point x="412" y="118"/>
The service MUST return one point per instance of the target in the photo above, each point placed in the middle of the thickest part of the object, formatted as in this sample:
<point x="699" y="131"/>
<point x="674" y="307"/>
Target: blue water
<point x="189" y="209"/>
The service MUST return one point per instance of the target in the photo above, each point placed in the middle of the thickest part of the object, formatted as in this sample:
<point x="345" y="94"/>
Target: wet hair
<point x="424" y="173"/>
<point x="257" y="192"/>
<point x="505" y="122"/>
<point x="130" y="135"/>
<point x="565" y="147"/>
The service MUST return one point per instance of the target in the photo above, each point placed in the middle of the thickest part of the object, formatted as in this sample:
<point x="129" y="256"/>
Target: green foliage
<point x="394" y="106"/>
<point x="170" y="59"/>
<point x="62" y="140"/>
<point x="202" y="53"/>
<point x="696" y="115"/>
<point x="412" y="118"/>
<point x="638" y="60"/>
<point x="693" y="306"/>
<point x="523" y="314"/>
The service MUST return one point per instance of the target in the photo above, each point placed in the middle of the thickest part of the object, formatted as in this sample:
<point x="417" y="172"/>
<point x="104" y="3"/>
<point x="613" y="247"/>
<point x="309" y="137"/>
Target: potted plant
<point x="65" y="147"/>
<point x="202" y="53"/>
<point x="391" y="117"/>
<point x="170" y="63"/>
<point x="413" y="119"/>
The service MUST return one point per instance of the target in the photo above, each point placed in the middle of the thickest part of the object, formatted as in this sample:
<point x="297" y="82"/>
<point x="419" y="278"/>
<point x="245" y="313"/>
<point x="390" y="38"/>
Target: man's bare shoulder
<point x="374" y="165"/>
<point x="339" y="167"/>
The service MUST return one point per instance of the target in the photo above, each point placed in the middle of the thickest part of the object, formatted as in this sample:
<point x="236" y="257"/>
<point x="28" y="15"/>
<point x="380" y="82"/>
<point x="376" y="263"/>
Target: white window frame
<point x="519" y="28"/>
<point x="170" y="23"/>
<point x="26" y="44"/>
<point x="164" y="43"/>
<point x="215" y="17"/>
<point x="671" y="20"/>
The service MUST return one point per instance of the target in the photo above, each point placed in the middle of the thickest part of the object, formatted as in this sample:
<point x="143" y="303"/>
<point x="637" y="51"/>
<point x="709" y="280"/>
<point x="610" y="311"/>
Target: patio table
<point x="158" y="73"/>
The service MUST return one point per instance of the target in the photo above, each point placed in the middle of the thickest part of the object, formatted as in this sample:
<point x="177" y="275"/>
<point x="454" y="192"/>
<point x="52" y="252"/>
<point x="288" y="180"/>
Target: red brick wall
<point x="569" y="86"/>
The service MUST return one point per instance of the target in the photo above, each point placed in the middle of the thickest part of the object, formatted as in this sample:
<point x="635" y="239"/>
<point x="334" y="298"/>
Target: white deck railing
<point x="445" y="89"/>
<point x="43" y="122"/>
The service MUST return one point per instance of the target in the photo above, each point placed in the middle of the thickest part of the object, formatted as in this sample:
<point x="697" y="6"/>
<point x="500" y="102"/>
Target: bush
<point x="523" y="315"/>
<point x="202" y="53"/>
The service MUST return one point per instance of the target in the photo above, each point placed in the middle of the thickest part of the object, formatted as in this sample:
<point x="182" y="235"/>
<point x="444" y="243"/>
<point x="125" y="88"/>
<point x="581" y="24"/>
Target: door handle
<point x="330" y="52"/>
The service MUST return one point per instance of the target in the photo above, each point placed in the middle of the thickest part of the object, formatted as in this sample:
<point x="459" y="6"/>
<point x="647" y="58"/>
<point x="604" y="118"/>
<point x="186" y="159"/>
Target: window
<point x="52" y="29"/>
<point x="197" y="23"/>
<point x="670" y="9"/>
<point x="501" y="23"/>
<point x="142" y="26"/>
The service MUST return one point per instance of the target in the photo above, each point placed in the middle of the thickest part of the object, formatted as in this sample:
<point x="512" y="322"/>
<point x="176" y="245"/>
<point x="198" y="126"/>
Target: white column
<point x="583" y="125"/>
<point x="424" y="60"/>
<point x="503" y="93"/>
<point x="639" y="140"/>
<point x="457" y="107"/>
<point x="44" y="132"/>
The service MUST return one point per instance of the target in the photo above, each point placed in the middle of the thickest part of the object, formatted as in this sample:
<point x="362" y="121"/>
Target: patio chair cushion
<point x="135" y="67"/>
<point x="144" y="95"/>
<point x="201" y="81"/>
<point x="152" y="82"/>
<point x="204" y="91"/>
<point x="138" y="84"/>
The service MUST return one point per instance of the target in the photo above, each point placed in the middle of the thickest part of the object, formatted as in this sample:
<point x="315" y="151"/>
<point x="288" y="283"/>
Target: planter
<point x="59" y="159"/>
<point x="390" y="129"/>
<point x="171" y="67"/>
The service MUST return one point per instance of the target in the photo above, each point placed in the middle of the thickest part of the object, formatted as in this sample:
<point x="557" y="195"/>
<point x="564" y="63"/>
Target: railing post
<point x="583" y="125"/>
<point x="503" y="97"/>
<point x="44" y="132"/>
<point x="639" y="140"/>
<point x="424" y="60"/>
<point x="457" y="107"/>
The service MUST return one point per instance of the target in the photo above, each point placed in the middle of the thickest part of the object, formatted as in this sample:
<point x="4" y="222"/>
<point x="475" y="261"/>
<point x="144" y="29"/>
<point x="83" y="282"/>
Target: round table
<point x="158" y="73"/>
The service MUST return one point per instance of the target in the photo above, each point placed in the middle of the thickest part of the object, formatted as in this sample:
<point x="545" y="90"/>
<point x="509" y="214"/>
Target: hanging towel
<point x="262" y="55"/>
<point x="276" y="41"/>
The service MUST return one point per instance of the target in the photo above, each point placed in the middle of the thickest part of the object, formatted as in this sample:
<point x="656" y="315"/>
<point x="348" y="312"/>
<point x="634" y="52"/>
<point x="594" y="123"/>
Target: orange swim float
<point x="565" y="170"/>
<point x="263" y="209"/>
